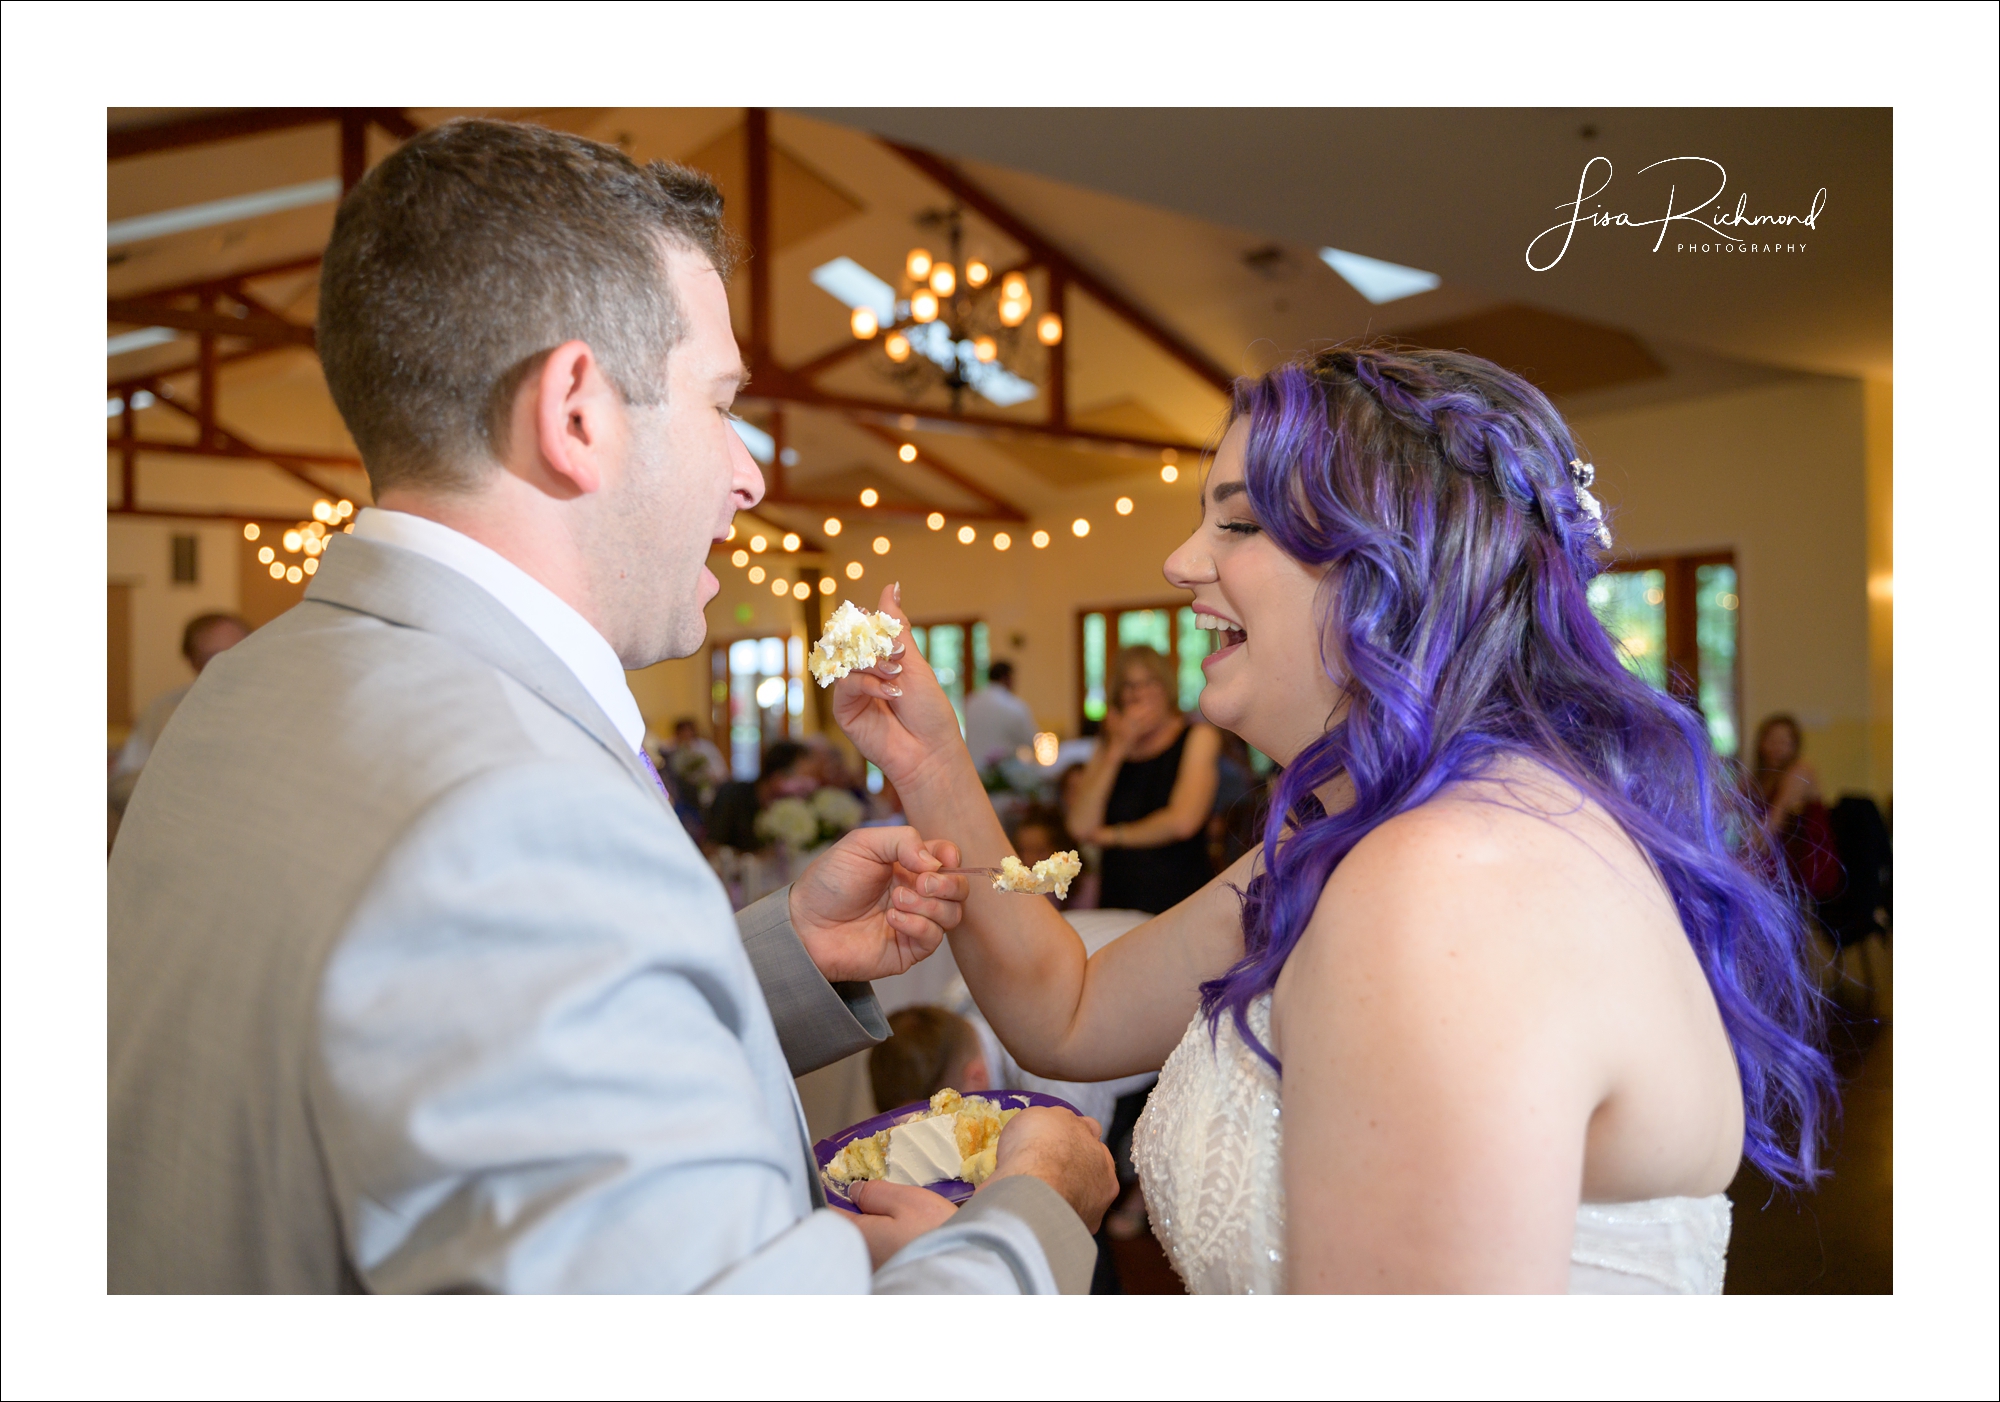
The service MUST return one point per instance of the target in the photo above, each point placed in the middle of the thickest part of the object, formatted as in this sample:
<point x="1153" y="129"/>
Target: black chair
<point x="1861" y="908"/>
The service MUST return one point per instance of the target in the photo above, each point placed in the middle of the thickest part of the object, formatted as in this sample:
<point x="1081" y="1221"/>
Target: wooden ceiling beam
<point x="228" y="282"/>
<point x="257" y="328"/>
<point x="175" y="133"/>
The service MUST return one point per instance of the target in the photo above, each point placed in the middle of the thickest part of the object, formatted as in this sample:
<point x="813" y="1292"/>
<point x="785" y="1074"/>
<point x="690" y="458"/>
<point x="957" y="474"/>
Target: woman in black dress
<point x="1146" y="794"/>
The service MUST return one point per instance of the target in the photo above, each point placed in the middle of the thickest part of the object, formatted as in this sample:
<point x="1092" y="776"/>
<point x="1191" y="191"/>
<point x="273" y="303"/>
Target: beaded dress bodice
<point x="1209" y="1154"/>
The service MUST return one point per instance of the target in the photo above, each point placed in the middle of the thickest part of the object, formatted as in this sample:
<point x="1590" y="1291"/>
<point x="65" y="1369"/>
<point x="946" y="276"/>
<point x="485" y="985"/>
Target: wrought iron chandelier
<point x="959" y="326"/>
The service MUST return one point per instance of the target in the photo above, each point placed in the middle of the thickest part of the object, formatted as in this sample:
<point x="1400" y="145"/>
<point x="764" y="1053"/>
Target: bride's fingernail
<point x="899" y="591"/>
<point x="891" y="689"/>
<point x="887" y="669"/>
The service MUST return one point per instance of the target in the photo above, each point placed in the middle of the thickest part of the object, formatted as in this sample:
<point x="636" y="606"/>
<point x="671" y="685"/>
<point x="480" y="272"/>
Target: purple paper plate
<point x="950" y="1189"/>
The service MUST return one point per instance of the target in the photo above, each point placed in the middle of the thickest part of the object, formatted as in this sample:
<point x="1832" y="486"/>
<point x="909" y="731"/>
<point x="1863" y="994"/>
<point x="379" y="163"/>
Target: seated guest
<point x="204" y="639"/>
<point x="477" y="1017"/>
<point x="928" y="1049"/>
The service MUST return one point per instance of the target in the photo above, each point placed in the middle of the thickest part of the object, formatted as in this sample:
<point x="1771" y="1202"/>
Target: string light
<point x="908" y="452"/>
<point x="935" y="520"/>
<point x="252" y="531"/>
<point x="1040" y="540"/>
<point x="1079" y="528"/>
<point x="881" y="545"/>
<point x="291" y="539"/>
<point x="966" y="535"/>
<point x="781" y="587"/>
<point x="1170" y="473"/>
<point x="831" y="525"/>
<point x="853" y="570"/>
<point x="310" y="567"/>
<point x="294" y="574"/>
<point x="756" y="574"/>
<point x="266" y="555"/>
<point x="740" y="558"/>
<point x="1001" y="540"/>
<point x="826" y="584"/>
<point x="792" y="540"/>
<point x="802" y="591"/>
<point x="758" y="545"/>
<point x="277" y="570"/>
<point x="343" y="508"/>
<point x="732" y="531"/>
<point x="869" y="496"/>
<point x="1124" y="506"/>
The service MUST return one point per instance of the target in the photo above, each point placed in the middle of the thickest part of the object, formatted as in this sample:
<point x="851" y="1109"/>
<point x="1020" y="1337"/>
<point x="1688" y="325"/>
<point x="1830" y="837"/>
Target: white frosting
<point x="854" y="641"/>
<point x="924" y="1151"/>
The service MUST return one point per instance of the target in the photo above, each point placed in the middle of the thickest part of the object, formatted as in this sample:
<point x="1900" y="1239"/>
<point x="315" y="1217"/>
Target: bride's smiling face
<point x="1265" y="679"/>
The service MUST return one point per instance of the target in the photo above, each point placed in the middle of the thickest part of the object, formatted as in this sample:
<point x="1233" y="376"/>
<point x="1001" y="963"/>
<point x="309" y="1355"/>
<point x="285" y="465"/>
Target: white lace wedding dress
<point x="1207" y="1150"/>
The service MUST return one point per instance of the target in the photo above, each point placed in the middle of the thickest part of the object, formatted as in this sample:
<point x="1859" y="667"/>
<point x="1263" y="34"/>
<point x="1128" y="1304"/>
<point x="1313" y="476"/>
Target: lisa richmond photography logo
<point x="1697" y="222"/>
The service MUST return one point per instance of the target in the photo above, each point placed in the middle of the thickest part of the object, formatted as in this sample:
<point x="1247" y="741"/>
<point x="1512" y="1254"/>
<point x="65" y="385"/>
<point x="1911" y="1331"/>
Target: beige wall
<point x="139" y="552"/>
<point x="1780" y="475"/>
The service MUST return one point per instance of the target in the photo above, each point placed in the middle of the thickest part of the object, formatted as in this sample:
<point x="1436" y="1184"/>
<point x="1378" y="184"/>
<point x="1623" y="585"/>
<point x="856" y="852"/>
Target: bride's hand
<point x="895" y="712"/>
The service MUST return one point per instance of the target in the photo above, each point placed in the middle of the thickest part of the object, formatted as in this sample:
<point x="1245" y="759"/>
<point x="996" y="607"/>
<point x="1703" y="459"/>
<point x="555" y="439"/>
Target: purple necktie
<point x="654" y="775"/>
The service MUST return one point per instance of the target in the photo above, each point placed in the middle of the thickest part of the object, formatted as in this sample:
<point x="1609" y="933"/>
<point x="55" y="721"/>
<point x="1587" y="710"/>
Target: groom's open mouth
<point x="1230" y="633"/>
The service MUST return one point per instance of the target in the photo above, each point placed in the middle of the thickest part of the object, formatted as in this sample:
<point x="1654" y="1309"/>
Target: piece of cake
<point x="957" y="1137"/>
<point x="854" y="641"/>
<point x="1049" y="877"/>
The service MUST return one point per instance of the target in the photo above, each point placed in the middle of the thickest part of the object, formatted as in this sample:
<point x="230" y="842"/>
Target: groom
<point x="415" y="981"/>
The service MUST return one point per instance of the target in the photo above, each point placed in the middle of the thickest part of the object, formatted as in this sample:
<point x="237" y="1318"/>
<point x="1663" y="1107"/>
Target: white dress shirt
<point x="997" y="723"/>
<point x="566" y="632"/>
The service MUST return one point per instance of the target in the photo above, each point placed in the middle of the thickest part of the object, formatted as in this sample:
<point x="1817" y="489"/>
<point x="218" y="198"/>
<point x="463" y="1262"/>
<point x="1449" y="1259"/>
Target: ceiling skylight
<point x="138" y="340"/>
<point x="201" y="216"/>
<point x="1376" y="280"/>
<point x="852" y="285"/>
<point x="762" y="445"/>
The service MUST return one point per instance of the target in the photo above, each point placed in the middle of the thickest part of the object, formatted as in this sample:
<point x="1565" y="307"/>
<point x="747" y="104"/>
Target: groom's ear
<point x="575" y="420"/>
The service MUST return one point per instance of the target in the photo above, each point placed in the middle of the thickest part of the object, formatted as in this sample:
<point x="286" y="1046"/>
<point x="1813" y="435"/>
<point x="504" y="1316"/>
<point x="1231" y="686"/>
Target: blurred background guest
<point x="1786" y="788"/>
<point x="694" y="762"/>
<point x="928" y="1049"/>
<point x="997" y="722"/>
<point x="204" y="639"/>
<point x="1147" y="793"/>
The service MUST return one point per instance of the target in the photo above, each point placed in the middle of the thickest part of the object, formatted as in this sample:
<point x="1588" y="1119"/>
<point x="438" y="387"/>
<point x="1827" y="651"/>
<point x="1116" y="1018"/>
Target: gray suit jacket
<point x="417" y="984"/>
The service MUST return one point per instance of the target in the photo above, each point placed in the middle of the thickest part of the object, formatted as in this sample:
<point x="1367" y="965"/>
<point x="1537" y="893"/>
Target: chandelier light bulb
<point x="869" y="496"/>
<point x="880" y="545"/>
<point x="740" y="558"/>
<point x="252" y="531"/>
<point x="944" y="279"/>
<point x="863" y="324"/>
<point x="1001" y="540"/>
<point x="918" y="264"/>
<point x="924" y="305"/>
<point x="977" y="273"/>
<point x="966" y="535"/>
<point x="758" y="545"/>
<point x="935" y="520"/>
<point x="1079" y="528"/>
<point x="908" y="452"/>
<point x="854" y="569"/>
<point x="1013" y="313"/>
<point x="1049" y="329"/>
<point x="756" y="574"/>
<point x="986" y="349"/>
<point x="1124" y="505"/>
<point x="897" y="346"/>
<point x="831" y="525"/>
<point x="792" y="540"/>
<point x="1040" y="540"/>
<point x="1014" y="288"/>
<point x="826" y="584"/>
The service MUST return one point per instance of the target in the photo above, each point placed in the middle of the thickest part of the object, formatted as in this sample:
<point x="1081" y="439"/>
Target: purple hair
<point x="1436" y="487"/>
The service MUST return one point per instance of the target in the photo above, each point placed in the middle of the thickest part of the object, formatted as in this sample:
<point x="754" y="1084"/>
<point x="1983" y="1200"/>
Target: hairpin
<point x="1582" y="474"/>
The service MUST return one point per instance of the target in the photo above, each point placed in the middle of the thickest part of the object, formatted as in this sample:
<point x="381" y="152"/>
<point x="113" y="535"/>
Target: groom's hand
<point x="873" y="904"/>
<point x="1066" y="1152"/>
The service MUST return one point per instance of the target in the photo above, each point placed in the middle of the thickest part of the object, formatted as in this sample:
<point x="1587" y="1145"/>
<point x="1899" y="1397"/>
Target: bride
<point x="1500" y="1002"/>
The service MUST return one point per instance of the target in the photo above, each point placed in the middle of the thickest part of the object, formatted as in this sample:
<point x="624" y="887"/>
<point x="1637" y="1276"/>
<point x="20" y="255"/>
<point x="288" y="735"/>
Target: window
<point x="1168" y="629"/>
<point x="1675" y="620"/>
<point x="958" y="652"/>
<point x="757" y="692"/>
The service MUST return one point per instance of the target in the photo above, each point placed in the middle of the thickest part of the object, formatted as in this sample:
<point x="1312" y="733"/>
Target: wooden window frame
<point x="1683" y="639"/>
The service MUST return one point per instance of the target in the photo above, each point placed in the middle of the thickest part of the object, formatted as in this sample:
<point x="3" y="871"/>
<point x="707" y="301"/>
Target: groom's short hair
<point x="460" y="261"/>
